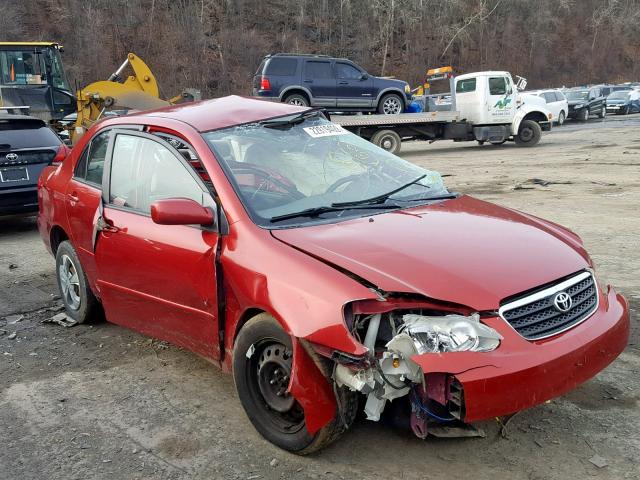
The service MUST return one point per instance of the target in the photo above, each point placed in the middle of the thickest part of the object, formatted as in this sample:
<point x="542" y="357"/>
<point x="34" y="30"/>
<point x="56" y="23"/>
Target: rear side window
<point x="315" y="69"/>
<point x="281" y="67"/>
<point x="91" y="164"/>
<point x="549" y="97"/>
<point x="143" y="171"/>
<point x="559" y="97"/>
<point x="26" y="134"/>
<point x="466" y="85"/>
<point x="497" y="86"/>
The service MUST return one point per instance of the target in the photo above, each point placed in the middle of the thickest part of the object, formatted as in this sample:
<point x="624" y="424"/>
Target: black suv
<point x="337" y="84"/>
<point x="27" y="145"/>
<point x="586" y="101"/>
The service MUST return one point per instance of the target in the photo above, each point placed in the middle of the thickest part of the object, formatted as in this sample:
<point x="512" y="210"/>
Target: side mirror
<point x="364" y="76"/>
<point x="181" y="211"/>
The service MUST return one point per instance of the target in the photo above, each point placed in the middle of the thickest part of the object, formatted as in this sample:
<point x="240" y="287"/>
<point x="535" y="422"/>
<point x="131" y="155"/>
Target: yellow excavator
<point x="33" y="81"/>
<point x="137" y="92"/>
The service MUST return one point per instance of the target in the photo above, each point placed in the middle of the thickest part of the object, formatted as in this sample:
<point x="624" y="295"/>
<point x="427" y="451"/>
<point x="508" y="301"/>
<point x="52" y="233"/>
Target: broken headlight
<point x="450" y="333"/>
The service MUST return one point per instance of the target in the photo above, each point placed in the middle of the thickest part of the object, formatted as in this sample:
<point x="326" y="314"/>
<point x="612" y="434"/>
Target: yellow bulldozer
<point x="33" y="81"/>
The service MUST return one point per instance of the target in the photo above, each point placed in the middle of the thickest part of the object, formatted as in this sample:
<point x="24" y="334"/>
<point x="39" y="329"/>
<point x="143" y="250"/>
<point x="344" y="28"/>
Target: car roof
<point x="20" y="118"/>
<point x="219" y="112"/>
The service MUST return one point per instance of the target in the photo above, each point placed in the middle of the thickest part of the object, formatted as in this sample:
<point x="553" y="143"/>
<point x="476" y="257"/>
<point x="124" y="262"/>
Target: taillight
<point x="61" y="154"/>
<point x="265" y="84"/>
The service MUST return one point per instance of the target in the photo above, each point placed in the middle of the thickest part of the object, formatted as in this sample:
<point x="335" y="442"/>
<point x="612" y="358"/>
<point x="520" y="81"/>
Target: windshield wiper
<point x="315" y="211"/>
<point x="444" y="196"/>
<point x="295" y="120"/>
<point x="380" y="198"/>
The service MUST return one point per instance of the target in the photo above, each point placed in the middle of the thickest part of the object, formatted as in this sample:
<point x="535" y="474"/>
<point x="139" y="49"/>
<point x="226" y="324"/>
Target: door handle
<point x="103" y="225"/>
<point x="343" y="83"/>
<point x="73" y="197"/>
<point x="308" y="81"/>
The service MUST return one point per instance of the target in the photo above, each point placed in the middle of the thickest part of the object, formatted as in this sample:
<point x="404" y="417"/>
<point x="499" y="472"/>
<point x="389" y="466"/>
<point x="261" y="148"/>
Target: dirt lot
<point x="102" y="402"/>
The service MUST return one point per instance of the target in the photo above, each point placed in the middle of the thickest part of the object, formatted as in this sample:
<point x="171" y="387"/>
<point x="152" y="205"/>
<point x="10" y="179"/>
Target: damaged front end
<point x="394" y="340"/>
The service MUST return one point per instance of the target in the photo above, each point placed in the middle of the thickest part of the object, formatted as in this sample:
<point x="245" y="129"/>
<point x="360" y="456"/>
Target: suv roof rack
<point x="299" y="55"/>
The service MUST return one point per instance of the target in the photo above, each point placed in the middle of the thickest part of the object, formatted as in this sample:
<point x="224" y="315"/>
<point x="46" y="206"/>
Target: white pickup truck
<point x="484" y="108"/>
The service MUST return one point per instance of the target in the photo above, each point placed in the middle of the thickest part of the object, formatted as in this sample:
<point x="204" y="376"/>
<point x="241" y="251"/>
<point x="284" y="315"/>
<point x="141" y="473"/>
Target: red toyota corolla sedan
<point x="321" y="270"/>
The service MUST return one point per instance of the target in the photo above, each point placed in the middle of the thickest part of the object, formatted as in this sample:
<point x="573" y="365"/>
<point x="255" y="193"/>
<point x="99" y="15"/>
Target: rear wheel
<point x="387" y="140"/>
<point x="262" y="362"/>
<point x="79" y="301"/>
<point x="390" y="104"/>
<point x="529" y="133"/>
<point x="297" y="100"/>
<point x="561" y="118"/>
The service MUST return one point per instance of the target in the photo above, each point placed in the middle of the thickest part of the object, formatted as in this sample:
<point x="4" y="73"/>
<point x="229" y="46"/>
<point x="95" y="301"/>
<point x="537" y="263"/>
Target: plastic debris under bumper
<point x="521" y="374"/>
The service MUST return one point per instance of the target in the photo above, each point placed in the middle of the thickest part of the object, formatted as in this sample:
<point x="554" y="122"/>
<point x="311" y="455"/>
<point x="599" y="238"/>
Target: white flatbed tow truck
<point x="484" y="108"/>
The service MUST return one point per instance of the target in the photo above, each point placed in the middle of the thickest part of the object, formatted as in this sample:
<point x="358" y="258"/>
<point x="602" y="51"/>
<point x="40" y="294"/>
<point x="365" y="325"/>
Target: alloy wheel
<point x="391" y="106"/>
<point x="69" y="283"/>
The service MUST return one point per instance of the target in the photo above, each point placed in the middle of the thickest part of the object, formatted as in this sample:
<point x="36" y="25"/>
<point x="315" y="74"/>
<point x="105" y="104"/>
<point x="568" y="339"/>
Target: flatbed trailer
<point x="389" y="131"/>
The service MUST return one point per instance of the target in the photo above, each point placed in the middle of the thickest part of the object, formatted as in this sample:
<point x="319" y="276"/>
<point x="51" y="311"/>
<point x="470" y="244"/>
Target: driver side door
<point x="156" y="279"/>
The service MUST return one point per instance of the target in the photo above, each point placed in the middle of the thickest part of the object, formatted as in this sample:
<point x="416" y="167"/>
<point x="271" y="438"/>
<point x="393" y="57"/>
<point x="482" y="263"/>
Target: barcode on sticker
<point x="326" y="130"/>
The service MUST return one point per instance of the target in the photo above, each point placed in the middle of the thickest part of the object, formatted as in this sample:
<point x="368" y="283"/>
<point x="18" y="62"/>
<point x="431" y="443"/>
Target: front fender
<point x="523" y="111"/>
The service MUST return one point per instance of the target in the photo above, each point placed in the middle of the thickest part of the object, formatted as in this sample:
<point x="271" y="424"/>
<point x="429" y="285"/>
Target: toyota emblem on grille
<point x="12" y="157"/>
<point x="563" y="302"/>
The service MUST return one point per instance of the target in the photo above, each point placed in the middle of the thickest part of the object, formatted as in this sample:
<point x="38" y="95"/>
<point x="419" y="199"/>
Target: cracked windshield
<point x="303" y="168"/>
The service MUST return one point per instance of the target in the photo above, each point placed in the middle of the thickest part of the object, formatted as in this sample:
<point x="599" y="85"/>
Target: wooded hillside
<point x="216" y="45"/>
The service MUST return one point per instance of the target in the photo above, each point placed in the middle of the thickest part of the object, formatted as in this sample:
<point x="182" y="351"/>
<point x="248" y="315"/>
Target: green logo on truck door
<point x="502" y="103"/>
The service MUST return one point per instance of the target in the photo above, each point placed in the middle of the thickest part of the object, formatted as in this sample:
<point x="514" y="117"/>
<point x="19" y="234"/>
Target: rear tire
<point x="79" y="301"/>
<point x="529" y="134"/>
<point x="297" y="99"/>
<point x="390" y="104"/>
<point x="261" y="381"/>
<point x="387" y="140"/>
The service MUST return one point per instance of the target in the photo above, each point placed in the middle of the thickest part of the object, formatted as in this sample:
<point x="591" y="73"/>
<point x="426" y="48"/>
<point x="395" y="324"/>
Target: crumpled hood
<point x="463" y="250"/>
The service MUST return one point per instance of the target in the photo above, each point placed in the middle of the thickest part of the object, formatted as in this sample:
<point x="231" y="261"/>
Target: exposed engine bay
<point x="392" y="339"/>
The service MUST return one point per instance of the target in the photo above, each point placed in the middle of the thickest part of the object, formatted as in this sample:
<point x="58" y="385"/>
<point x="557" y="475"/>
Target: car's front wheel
<point x="390" y="104"/>
<point x="561" y="118"/>
<point x="262" y="363"/>
<point x="529" y="133"/>
<point x="583" y="115"/>
<point x="79" y="301"/>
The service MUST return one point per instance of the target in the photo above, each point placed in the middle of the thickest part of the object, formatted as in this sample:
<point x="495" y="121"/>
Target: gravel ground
<point x="101" y="402"/>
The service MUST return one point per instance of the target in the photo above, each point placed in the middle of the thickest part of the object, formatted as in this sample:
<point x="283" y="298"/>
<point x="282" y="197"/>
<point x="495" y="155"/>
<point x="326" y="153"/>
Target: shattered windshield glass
<point x="297" y="168"/>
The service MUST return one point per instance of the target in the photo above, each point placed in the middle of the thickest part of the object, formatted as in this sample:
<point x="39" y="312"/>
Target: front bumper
<point x="521" y="374"/>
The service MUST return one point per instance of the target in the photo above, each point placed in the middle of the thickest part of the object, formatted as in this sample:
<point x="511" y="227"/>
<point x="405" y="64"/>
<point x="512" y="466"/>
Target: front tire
<point x="79" y="301"/>
<point x="390" y="104"/>
<point x="529" y="133"/>
<point x="561" y="118"/>
<point x="261" y="382"/>
<point x="297" y="99"/>
<point x="583" y="115"/>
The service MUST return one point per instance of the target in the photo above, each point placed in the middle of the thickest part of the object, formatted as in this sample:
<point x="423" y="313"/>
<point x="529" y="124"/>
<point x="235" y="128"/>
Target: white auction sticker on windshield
<point x="326" y="130"/>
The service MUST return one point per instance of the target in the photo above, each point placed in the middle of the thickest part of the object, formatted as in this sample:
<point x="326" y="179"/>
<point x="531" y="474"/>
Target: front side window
<point x="347" y="72"/>
<point x="280" y="168"/>
<point x="22" y="67"/>
<point x="497" y="85"/>
<point x="466" y="85"/>
<point x="144" y="170"/>
<point x="314" y="69"/>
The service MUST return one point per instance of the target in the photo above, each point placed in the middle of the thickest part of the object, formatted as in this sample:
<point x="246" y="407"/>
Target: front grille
<point x="536" y="315"/>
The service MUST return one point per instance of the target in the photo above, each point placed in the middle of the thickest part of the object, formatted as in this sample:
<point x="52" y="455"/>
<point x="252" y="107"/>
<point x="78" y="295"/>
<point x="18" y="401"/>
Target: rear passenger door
<point x="354" y="87"/>
<point x="319" y="78"/>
